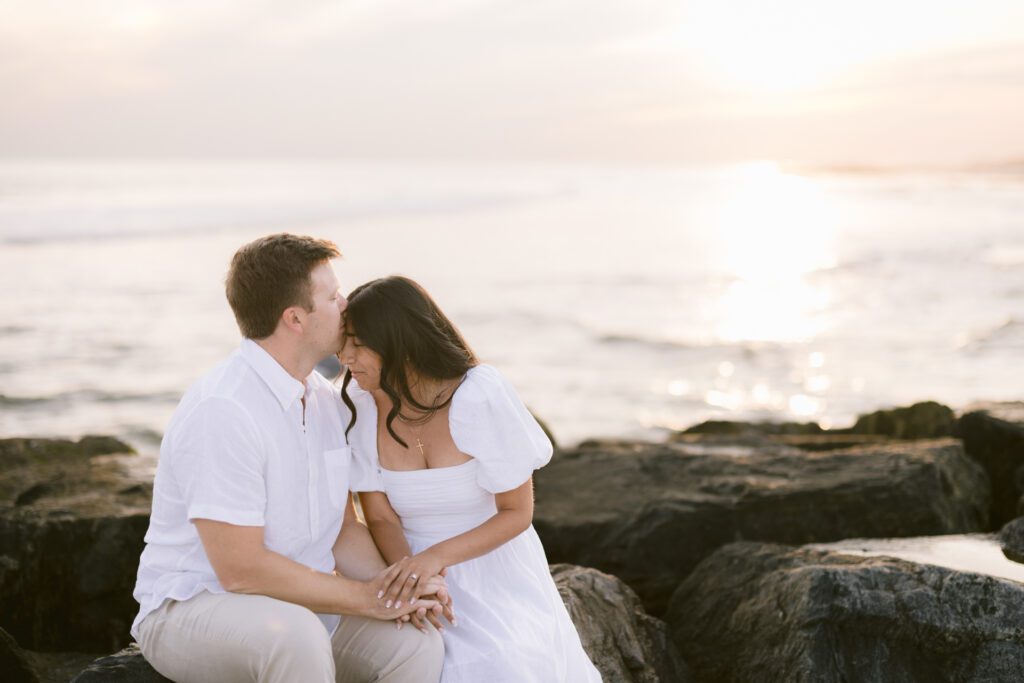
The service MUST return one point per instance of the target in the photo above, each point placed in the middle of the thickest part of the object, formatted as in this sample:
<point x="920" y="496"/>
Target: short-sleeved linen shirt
<point x="241" y="449"/>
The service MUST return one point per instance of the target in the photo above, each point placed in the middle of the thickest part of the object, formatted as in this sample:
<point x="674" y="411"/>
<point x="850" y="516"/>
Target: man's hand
<point x="406" y="580"/>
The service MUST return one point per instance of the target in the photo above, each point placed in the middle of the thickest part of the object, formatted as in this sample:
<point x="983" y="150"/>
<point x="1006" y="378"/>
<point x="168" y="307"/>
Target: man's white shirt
<point x="240" y="450"/>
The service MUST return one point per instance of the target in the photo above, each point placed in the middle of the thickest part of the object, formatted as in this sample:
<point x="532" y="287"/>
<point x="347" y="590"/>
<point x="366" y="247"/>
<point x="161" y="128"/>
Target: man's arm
<point x="244" y="565"/>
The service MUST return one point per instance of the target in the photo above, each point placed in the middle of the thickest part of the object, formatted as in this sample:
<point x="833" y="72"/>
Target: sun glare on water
<point x="774" y="230"/>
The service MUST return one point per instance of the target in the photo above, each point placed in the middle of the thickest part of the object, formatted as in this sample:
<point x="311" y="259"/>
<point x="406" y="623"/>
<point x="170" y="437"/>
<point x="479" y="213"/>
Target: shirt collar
<point x="286" y="389"/>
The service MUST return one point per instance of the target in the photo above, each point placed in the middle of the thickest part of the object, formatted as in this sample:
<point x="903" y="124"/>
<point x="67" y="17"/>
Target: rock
<point x="762" y="612"/>
<point x="1011" y="539"/>
<point x="17" y="452"/>
<point x="749" y="442"/>
<point x="71" y="532"/>
<point x="927" y="420"/>
<point x="329" y="367"/>
<point x="626" y="644"/>
<point x="648" y="513"/>
<point x="993" y="434"/>
<point x="725" y="427"/>
<point x="126" y="666"/>
<point x="546" y="429"/>
<point x="14" y="664"/>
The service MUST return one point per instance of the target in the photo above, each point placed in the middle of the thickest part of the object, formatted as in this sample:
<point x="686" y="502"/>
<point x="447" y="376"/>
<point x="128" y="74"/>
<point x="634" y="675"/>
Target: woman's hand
<point x="442" y="607"/>
<point x="406" y="580"/>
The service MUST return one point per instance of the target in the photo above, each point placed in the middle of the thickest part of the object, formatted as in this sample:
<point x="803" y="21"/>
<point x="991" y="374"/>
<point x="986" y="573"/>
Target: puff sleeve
<point x="489" y="422"/>
<point x="365" y="475"/>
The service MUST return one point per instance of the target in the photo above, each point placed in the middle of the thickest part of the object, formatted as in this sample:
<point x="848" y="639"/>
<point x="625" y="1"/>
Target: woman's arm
<point x="385" y="530"/>
<point x="385" y="526"/>
<point x="514" y="516"/>
<point x="355" y="553"/>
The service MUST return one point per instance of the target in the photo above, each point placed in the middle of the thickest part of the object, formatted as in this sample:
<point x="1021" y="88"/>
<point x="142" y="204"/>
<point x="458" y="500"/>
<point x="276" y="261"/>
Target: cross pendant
<point x="419" y="445"/>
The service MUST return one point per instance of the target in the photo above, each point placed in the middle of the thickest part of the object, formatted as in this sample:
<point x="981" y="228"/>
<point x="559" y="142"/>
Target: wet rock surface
<point x="648" y="513"/>
<point x="625" y="643"/>
<point x="754" y="611"/>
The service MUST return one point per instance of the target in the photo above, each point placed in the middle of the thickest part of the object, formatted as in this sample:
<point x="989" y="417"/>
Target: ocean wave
<point x="88" y="396"/>
<point x="648" y="342"/>
<point x="1005" y="336"/>
<point x="131" y="222"/>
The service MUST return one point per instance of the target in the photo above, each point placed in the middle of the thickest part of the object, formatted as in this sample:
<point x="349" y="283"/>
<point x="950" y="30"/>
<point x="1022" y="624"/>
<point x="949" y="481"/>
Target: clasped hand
<point x="413" y="578"/>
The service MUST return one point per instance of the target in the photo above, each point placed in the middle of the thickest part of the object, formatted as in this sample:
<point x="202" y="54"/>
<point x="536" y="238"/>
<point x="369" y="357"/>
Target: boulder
<point x="765" y="612"/>
<point x="993" y="434"/>
<point x="648" y="513"/>
<point x="1011" y="539"/>
<point x="72" y="521"/>
<point x="626" y="644"/>
<point x="126" y="666"/>
<point x="926" y="420"/>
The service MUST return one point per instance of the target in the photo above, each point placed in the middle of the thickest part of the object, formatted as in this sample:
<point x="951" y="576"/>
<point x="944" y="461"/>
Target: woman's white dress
<point x="513" y="626"/>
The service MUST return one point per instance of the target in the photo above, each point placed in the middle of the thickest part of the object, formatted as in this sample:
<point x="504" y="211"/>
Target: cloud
<point x="474" y="79"/>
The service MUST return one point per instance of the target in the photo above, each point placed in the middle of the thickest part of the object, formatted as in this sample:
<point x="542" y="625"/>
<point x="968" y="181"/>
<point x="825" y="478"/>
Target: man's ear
<point x="294" y="318"/>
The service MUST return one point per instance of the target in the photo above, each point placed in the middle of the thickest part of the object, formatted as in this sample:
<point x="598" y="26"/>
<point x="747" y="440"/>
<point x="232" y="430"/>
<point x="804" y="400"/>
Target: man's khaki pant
<point x="232" y="637"/>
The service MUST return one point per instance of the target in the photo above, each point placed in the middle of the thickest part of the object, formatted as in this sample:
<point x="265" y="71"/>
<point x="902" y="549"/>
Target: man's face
<point x="323" y="331"/>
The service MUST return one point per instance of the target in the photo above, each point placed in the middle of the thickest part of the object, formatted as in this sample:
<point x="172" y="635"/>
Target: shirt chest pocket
<point x="336" y="468"/>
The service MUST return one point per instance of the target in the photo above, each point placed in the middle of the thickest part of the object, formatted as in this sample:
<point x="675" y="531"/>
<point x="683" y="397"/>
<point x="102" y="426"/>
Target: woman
<point x="444" y="457"/>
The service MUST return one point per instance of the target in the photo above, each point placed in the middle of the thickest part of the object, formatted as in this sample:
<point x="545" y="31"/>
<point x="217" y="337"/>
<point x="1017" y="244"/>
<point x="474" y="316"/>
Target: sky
<point x="834" y="82"/>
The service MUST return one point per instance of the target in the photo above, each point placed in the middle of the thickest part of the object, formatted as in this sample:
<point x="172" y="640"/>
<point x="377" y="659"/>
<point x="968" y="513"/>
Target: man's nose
<point x="342" y="303"/>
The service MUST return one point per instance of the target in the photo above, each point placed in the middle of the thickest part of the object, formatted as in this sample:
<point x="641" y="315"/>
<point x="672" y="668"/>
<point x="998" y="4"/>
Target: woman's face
<point x="363" y="362"/>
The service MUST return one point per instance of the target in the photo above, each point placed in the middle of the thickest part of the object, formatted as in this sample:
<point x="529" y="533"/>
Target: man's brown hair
<point x="271" y="274"/>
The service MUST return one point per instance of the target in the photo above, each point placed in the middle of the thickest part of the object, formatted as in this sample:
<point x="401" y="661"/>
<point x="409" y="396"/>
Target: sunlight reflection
<point x="775" y="229"/>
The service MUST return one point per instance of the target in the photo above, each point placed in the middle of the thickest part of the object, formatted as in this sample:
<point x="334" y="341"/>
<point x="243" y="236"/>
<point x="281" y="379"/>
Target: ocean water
<point x="621" y="301"/>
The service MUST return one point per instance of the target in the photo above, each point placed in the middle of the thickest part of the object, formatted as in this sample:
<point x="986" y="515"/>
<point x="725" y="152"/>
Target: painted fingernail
<point x="387" y="604"/>
<point x="413" y="601"/>
<point x="398" y="604"/>
<point x="455" y="623"/>
<point x="380" y="594"/>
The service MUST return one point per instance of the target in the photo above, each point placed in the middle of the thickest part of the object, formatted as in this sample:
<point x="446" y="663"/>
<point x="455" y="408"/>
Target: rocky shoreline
<point x="679" y="561"/>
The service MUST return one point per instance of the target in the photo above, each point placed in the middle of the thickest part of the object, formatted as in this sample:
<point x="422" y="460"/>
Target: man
<point x="248" y="563"/>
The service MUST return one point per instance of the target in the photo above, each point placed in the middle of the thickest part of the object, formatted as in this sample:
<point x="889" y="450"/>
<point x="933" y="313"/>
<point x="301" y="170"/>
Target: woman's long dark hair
<point x="396" y="318"/>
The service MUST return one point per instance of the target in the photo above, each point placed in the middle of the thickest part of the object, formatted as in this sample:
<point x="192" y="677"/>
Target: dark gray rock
<point x="993" y="434"/>
<point x="741" y="441"/>
<point x="730" y="428"/>
<point x="19" y="451"/>
<point x="15" y="666"/>
<point x="648" y="513"/>
<point x="126" y="666"/>
<point x="1011" y="539"/>
<point x="626" y="644"/>
<point x="760" y="612"/>
<point x="926" y="420"/>
<point x="72" y="521"/>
